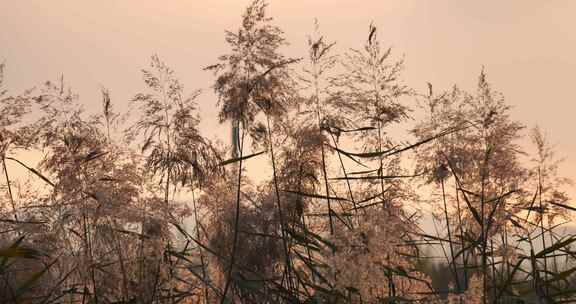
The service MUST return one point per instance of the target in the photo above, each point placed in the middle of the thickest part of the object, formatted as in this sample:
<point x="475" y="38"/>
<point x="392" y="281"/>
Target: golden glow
<point x="527" y="47"/>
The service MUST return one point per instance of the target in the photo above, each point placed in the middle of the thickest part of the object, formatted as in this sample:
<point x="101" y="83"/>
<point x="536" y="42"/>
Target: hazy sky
<point x="527" y="47"/>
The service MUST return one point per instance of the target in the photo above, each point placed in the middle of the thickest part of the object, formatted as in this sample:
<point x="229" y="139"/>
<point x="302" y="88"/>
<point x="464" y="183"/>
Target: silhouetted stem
<point x="236" y="220"/>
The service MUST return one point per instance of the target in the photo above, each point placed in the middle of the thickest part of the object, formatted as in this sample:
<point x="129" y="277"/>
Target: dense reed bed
<point x="145" y="209"/>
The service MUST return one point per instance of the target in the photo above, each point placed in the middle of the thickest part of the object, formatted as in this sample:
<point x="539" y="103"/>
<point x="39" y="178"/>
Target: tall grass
<point x="101" y="219"/>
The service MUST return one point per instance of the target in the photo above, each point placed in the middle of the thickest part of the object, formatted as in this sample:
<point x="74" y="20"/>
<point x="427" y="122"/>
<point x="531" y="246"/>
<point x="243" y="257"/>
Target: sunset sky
<point x="528" y="48"/>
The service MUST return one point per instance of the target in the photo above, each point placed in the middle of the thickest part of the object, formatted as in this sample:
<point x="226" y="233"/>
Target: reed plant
<point x="145" y="209"/>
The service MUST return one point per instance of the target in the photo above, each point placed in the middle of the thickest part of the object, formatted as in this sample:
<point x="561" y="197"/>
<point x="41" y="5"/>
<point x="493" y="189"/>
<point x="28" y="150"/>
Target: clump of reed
<point x="145" y="209"/>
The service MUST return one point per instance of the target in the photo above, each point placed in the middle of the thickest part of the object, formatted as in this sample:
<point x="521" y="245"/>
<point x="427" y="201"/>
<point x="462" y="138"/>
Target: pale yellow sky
<point x="527" y="47"/>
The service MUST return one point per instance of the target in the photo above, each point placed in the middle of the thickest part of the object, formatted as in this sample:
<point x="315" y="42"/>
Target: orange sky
<point x="527" y="47"/>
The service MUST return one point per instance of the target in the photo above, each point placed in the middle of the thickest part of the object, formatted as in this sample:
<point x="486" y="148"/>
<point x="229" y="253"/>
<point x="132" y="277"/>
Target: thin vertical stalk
<point x="542" y="230"/>
<point x="88" y="254"/>
<point x="316" y="75"/>
<point x="202" y="263"/>
<point x="484" y="233"/>
<point x="9" y="188"/>
<point x="287" y="269"/>
<point x="451" y="243"/>
<point x="381" y="168"/>
<point x="461" y="227"/>
<point x="118" y="246"/>
<point x="494" y="277"/>
<point x="236" y="218"/>
<point x="324" y="173"/>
